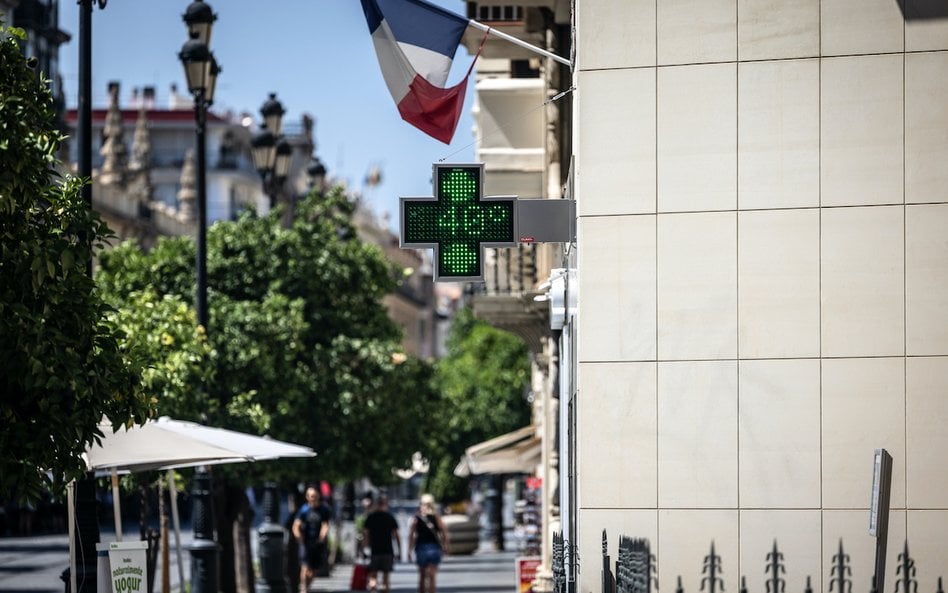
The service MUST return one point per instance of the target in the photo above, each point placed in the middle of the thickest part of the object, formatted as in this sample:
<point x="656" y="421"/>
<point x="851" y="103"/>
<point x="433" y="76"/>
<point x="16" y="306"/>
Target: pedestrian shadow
<point x="477" y="559"/>
<point x="20" y="569"/>
<point x="448" y="588"/>
<point x="33" y="547"/>
<point x="459" y="568"/>
<point x="923" y="9"/>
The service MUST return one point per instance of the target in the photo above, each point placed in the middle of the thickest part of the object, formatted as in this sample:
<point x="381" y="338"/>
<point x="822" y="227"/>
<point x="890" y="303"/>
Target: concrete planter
<point x="464" y="534"/>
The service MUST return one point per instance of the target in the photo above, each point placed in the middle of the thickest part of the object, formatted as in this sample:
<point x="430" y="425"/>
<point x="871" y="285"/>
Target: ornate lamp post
<point x="201" y="71"/>
<point x="271" y="152"/>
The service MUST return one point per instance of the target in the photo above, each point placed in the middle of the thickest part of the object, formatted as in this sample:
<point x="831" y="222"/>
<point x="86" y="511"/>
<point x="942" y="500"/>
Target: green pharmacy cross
<point x="459" y="223"/>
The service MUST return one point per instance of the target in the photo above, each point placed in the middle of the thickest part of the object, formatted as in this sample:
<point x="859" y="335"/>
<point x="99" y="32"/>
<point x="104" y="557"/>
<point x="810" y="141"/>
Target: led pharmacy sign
<point x="458" y="223"/>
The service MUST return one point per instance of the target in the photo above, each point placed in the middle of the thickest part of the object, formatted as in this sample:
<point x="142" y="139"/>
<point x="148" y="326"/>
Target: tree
<point x="162" y="334"/>
<point x="64" y="366"/>
<point x="303" y="349"/>
<point x="482" y="380"/>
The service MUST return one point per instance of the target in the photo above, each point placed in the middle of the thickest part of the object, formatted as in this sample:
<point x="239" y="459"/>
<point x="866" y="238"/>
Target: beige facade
<point x="762" y="198"/>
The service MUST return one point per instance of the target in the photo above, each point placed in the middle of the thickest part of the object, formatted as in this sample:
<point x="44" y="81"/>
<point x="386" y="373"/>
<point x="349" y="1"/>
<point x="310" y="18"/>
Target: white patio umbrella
<point x="167" y="444"/>
<point x="249" y="446"/>
<point x="152" y="446"/>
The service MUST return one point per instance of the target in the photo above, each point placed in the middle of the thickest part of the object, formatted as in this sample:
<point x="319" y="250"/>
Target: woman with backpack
<point x="428" y="541"/>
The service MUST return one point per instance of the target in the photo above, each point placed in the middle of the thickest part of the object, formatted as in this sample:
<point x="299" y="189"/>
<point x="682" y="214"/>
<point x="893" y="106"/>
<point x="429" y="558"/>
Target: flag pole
<point x="515" y="41"/>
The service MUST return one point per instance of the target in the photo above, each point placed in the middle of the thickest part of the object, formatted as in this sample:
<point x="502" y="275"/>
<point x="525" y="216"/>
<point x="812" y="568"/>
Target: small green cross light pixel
<point x="458" y="223"/>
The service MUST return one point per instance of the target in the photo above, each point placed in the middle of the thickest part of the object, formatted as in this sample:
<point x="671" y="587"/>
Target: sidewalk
<point x="486" y="571"/>
<point x="34" y="565"/>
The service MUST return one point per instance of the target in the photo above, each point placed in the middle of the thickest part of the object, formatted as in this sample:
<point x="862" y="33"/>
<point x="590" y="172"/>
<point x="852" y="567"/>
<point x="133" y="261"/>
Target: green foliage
<point x="161" y="332"/>
<point x="381" y="414"/>
<point x="63" y="362"/>
<point x="482" y="380"/>
<point x="303" y="350"/>
<point x="167" y="269"/>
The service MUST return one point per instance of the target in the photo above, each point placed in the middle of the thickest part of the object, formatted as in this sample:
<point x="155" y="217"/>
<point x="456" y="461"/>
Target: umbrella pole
<point x="71" y="506"/>
<point x="165" y="558"/>
<point x="116" y="505"/>
<point x="173" y="490"/>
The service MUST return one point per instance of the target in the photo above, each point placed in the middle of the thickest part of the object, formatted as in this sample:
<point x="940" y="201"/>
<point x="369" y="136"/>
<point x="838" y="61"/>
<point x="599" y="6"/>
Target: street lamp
<point x="317" y="174"/>
<point x="83" y="578"/>
<point x="201" y="70"/>
<point x="200" y="19"/>
<point x="272" y="112"/>
<point x="270" y="150"/>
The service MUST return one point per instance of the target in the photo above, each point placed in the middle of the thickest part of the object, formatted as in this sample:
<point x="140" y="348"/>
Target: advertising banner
<point x="128" y="569"/>
<point x="526" y="572"/>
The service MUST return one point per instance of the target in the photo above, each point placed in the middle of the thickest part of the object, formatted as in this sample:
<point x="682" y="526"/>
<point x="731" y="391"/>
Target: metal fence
<point x="558" y="564"/>
<point x="564" y="565"/>
<point x="634" y="571"/>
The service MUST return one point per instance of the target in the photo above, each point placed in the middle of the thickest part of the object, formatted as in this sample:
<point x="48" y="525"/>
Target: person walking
<point x="428" y="539"/>
<point x="380" y="530"/>
<point x="368" y="505"/>
<point x="311" y="530"/>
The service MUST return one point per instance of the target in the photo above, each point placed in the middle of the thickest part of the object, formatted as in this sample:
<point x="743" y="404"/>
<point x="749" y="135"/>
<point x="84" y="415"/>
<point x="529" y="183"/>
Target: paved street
<point x="483" y="572"/>
<point x="34" y="565"/>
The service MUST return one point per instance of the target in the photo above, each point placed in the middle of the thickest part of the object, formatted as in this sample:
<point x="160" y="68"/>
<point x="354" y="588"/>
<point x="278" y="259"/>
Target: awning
<point x="515" y="452"/>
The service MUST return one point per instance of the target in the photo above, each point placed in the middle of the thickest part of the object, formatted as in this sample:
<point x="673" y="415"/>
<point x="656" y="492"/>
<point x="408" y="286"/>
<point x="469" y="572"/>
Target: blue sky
<point x="317" y="56"/>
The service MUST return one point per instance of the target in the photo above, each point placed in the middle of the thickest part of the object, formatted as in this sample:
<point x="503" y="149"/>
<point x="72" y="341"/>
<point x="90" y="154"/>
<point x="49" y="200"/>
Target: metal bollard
<point x="271" y="578"/>
<point x="205" y="552"/>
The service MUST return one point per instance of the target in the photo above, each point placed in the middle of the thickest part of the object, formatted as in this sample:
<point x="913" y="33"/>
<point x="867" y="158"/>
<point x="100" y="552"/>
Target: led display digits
<point x="458" y="222"/>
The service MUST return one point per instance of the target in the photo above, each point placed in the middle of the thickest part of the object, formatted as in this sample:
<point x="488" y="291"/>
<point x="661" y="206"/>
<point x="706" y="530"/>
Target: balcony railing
<point x="174" y="159"/>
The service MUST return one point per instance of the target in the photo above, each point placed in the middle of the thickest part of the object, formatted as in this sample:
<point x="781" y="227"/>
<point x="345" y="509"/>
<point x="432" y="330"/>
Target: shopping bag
<point x="359" y="574"/>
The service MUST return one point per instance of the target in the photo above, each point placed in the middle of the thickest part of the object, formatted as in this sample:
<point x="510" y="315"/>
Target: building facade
<point x="760" y="276"/>
<point x="414" y="305"/>
<point x="39" y="19"/>
<point x="522" y="123"/>
<point x="143" y="164"/>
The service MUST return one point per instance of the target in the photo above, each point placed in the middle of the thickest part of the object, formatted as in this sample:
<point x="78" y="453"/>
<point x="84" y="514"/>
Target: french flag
<point x="415" y="42"/>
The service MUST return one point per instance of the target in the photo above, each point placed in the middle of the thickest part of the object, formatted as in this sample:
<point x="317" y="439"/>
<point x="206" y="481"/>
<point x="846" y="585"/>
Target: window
<point x="502" y="13"/>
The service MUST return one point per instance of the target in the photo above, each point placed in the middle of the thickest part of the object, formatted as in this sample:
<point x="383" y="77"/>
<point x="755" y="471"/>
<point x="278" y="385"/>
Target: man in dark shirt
<point x="381" y="529"/>
<point x="311" y="528"/>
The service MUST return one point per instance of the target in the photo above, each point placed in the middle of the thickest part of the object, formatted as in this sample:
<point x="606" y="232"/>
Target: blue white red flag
<point x="415" y="42"/>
